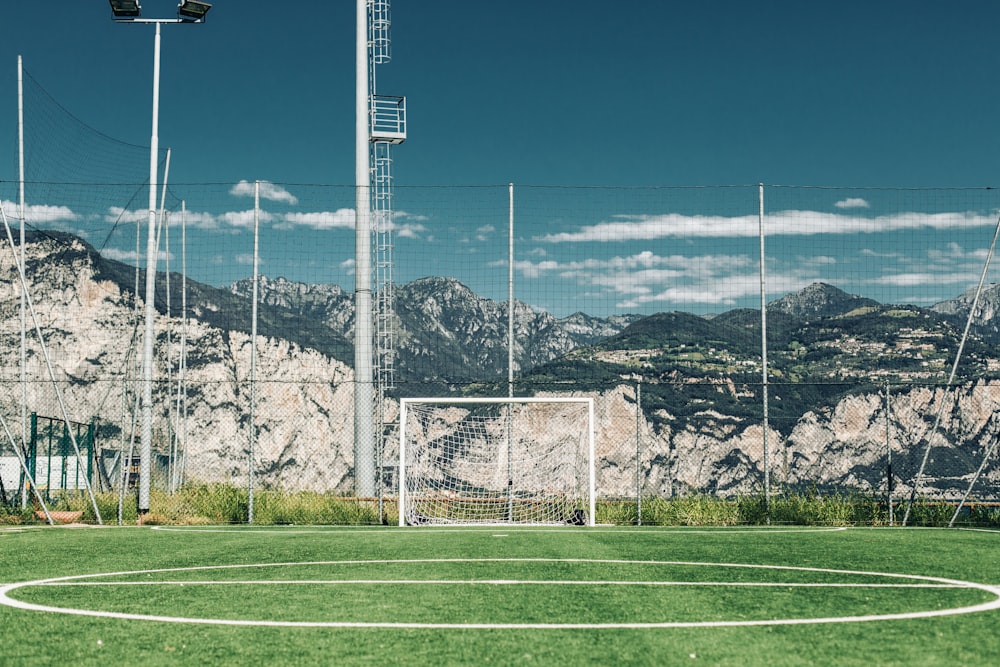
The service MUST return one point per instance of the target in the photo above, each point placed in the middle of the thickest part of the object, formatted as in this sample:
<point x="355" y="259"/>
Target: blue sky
<point x="873" y="98"/>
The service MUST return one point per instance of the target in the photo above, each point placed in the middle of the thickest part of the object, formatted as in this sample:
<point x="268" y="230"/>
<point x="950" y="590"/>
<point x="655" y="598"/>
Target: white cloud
<point x="191" y="219"/>
<point x="852" y="202"/>
<point x="868" y="252"/>
<point x="196" y="219"/>
<point x="342" y="218"/>
<point x="268" y="191"/>
<point x="130" y="256"/>
<point x="485" y="232"/>
<point x="917" y="279"/>
<point x="953" y="252"/>
<point x="117" y="214"/>
<point x="244" y="219"/>
<point x="36" y="214"/>
<point x="535" y="269"/>
<point x="646" y="279"/>
<point x="119" y="255"/>
<point x="790" y="223"/>
<point x="409" y="230"/>
<point x="409" y="216"/>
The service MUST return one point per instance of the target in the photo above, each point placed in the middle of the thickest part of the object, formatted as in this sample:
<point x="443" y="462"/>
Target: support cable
<point x="951" y="377"/>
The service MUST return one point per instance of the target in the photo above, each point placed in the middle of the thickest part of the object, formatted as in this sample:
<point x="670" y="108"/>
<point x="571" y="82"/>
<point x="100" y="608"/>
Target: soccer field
<point x="499" y="595"/>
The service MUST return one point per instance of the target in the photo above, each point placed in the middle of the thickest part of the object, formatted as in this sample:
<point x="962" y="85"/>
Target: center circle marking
<point x="916" y="581"/>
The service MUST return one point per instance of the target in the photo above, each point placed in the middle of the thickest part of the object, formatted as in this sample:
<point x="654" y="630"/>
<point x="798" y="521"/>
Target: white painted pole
<point x="888" y="458"/>
<point x="24" y="305"/>
<point x="146" y="435"/>
<point x="182" y="379"/>
<point x="638" y="452"/>
<point x="593" y="464"/>
<point x="510" y="351"/>
<point x="510" y="290"/>
<point x="163" y="230"/>
<point x="401" y="500"/>
<point x="364" y="404"/>
<point x="763" y="350"/>
<point x="253" y="349"/>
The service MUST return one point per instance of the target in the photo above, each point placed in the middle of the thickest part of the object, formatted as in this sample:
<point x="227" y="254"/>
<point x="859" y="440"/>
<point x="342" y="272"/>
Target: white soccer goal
<point x="496" y="461"/>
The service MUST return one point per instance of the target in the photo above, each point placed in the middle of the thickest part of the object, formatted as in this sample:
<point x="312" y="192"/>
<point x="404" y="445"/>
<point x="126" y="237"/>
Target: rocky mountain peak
<point x="820" y="300"/>
<point x="986" y="309"/>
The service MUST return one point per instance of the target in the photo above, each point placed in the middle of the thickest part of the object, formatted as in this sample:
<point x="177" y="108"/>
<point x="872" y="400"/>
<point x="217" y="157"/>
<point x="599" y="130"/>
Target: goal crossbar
<point x="407" y="405"/>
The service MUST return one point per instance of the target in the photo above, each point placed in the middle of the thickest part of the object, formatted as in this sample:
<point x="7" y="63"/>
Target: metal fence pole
<point x="888" y="459"/>
<point x="763" y="350"/>
<point x="253" y="350"/>
<point x="638" y="452"/>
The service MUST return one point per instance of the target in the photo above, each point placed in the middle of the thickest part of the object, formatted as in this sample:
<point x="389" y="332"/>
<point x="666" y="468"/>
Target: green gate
<point x="52" y="458"/>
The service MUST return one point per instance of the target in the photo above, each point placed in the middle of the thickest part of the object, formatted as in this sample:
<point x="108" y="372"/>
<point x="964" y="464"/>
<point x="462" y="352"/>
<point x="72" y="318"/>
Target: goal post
<point x="527" y="460"/>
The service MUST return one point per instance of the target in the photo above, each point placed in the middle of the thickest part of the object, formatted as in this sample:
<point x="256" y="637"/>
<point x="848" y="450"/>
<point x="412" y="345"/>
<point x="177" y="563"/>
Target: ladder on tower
<point x="383" y="233"/>
<point x="385" y="311"/>
<point x="387" y="127"/>
<point x="378" y="32"/>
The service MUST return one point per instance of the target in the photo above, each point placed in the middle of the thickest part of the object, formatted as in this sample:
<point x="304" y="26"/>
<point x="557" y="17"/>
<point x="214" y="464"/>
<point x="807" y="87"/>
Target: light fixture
<point x="193" y="10"/>
<point x="125" y="8"/>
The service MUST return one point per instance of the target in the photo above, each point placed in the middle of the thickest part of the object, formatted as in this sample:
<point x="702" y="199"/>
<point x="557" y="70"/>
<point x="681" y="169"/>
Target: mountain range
<point x="843" y="370"/>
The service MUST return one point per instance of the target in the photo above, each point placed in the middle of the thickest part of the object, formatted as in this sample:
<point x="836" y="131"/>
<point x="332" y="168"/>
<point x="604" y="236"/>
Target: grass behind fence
<point x="206" y="504"/>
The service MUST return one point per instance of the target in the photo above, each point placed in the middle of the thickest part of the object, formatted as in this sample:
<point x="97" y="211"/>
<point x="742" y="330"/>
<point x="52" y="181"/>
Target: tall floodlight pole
<point x="24" y="305"/>
<point x="364" y="395"/>
<point x="129" y="11"/>
<point x="380" y="124"/>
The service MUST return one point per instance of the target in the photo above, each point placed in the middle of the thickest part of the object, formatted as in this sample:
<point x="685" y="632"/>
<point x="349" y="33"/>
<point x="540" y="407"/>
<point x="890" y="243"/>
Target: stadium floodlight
<point x="127" y="11"/>
<point x="125" y="8"/>
<point x="193" y="11"/>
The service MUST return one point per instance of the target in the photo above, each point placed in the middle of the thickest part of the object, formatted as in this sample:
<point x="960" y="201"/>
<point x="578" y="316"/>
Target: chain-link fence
<point x="878" y="375"/>
<point x="737" y="339"/>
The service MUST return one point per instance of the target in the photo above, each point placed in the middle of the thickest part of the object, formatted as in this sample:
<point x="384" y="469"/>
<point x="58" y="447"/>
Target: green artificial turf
<point x="498" y="577"/>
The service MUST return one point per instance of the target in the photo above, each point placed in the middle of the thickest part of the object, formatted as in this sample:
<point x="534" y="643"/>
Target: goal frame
<point x="404" y="404"/>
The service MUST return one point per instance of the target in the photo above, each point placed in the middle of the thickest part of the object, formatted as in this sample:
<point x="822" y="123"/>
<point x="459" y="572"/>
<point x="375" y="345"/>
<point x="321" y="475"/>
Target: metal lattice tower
<point x="387" y="127"/>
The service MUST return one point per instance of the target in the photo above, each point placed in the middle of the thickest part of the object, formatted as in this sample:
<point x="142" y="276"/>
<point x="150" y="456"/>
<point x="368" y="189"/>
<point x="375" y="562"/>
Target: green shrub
<point x="228" y="504"/>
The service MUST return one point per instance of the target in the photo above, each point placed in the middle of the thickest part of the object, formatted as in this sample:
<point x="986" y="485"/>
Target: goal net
<point x="496" y="461"/>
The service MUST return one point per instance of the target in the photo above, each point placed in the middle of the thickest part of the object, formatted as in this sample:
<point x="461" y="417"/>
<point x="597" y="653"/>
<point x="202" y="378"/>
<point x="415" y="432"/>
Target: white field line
<point x="982" y="530"/>
<point x="491" y="529"/>
<point x="7" y="589"/>
<point x="490" y="582"/>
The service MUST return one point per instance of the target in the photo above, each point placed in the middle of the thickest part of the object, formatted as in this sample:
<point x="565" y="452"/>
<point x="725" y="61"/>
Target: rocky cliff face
<point x="848" y="446"/>
<point x="985" y="321"/>
<point x="699" y="428"/>
<point x="91" y="331"/>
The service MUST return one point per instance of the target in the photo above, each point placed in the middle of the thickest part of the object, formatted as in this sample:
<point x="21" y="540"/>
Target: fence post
<point x="888" y="458"/>
<point x="763" y="352"/>
<point x="253" y="350"/>
<point x="638" y="452"/>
